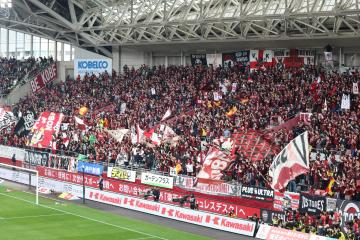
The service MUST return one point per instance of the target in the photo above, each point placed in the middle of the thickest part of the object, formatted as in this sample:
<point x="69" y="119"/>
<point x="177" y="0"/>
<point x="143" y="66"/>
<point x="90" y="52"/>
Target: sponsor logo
<point x="93" y="64"/>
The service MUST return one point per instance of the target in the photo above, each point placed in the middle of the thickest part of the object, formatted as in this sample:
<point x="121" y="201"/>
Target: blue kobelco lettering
<point x="92" y="64"/>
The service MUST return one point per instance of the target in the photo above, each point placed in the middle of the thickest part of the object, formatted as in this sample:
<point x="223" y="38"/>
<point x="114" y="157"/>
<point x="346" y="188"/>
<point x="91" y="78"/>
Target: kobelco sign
<point x="92" y="66"/>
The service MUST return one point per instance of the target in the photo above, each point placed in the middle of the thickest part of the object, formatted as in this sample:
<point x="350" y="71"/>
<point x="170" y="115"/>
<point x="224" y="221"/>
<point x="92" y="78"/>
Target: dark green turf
<point x="21" y="219"/>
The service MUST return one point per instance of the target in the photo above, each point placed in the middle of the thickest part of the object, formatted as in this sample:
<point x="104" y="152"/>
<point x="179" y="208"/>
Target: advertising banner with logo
<point x="90" y="168"/>
<point x="257" y="193"/>
<point x="92" y="66"/>
<point x="198" y="59"/>
<point x="276" y="233"/>
<point x="48" y="75"/>
<point x="122" y="174"/>
<point x="268" y="215"/>
<point x="134" y="189"/>
<point x="157" y="180"/>
<point x="312" y="204"/>
<point x="35" y="158"/>
<point x="348" y="210"/>
<point x="206" y="219"/>
<point x="44" y="130"/>
<point x="218" y="188"/>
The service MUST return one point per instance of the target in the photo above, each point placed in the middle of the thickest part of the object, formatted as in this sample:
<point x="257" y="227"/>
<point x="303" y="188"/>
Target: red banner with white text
<point x="48" y="75"/>
<point x="45" y="130"/>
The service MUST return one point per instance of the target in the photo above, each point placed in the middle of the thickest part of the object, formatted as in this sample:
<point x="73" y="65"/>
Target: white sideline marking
<point x="140" y="238"/>
<point x="35" y="216"/>
<point x="87" y="218"/>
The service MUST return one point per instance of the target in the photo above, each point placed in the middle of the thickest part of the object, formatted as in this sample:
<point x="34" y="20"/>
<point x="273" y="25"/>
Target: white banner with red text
<point x="157" y="180"/>
<point x="275" y="233"/>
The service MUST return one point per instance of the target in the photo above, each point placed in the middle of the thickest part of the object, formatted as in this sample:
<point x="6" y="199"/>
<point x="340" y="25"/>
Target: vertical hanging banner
<point x="242" y="57"/>
<point x="48" y="75"/>
<point x="228" y="59"/>
<point x="198" y="59"/>
<point x="345" y="102"/>
<point x="355" y="88"/>
<point x="214" y="59"/>
<point x="45" y="130"/>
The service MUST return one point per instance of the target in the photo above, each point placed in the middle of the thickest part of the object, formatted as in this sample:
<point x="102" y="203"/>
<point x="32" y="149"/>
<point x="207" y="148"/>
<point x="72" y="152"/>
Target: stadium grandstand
<point x="179" y="119"/>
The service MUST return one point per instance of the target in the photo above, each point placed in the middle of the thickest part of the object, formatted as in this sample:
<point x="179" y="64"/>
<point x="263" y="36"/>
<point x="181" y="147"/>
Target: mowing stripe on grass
<point x="35" y="216"/>
<point x="87" y="218"/>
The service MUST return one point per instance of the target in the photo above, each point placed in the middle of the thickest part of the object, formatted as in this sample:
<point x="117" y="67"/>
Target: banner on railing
<point x="8" y="152"/>
<point x="122" y="174"/>
<point x="312" y="204"/>
<point x="348" y="210"/>
<point x="267" y="216"/>
<point x="286" y="200"/>
<point x="157" y="180"/>
<point x="35" y="158"/>
<point x="269" y="232"/>
<point x="90" y="168"/>
<point x="257" y="193"/>
<point x="48" y="75"/>
<point x="45" y="130"/>
<point x="133" y="189"/>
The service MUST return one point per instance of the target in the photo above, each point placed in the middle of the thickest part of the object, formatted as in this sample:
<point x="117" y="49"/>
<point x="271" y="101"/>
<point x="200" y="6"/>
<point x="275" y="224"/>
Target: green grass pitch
<point x="21" y="219"/>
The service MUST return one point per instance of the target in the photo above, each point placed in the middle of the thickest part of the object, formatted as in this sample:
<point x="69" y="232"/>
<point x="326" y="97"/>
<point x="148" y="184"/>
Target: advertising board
<point x="92" y="66"/>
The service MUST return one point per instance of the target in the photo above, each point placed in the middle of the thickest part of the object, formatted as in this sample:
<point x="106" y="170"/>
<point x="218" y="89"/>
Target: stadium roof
<point x="102" y="23"/>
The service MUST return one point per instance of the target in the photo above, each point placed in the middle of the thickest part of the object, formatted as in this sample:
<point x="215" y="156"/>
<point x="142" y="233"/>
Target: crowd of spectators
<point x="325" y="224"/>
<point x="14" y="72"/>
<point x="259" y="97"/>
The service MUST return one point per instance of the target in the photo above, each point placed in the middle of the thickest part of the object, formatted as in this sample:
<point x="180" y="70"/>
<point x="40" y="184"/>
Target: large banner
<point x="134" y="189"/>
<point x="92" y="66"/>
<point x="312" y="204"/>
<point x="291" y="162"/>
<point x="257" y="193"/>
<point x="267" y="216"/>
<point x="261" y="59"/>
<point x="198" y="59"/>
<point x="25" y="123"/>
<point x="215" y="162"/>
<point x="157" y="180"/>
<point x="35" y="158"/>
<point x="348" y="210"/>
<point x="45" y="130"/>
<point x="242" y="57"/>
<point x="214" y="59"/>
<point x="90" y="168"/>
<point x="276" y="233"/>
<point x="286" y="200"/>
<point x="122" y="174"/>
<point x="48" y="75"/>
